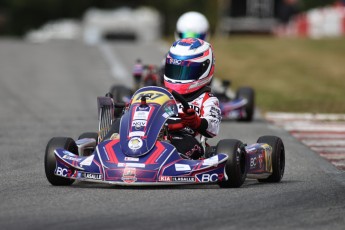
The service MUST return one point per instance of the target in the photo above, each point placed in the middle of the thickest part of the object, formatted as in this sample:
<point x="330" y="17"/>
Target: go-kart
<point x="239" y="107"/>
<point x="141" y="153"/>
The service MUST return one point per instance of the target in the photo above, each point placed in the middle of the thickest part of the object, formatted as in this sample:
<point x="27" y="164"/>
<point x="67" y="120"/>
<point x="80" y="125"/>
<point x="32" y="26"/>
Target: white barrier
<point x="317" y="23"/>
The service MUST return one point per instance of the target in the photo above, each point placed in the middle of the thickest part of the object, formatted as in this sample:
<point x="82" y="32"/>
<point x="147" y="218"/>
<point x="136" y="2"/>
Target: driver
<point x="189" y="69"/>
<point x="191" y="24"/>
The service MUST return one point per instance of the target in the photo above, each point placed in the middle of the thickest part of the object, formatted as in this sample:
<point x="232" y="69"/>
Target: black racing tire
<point x="92" y="135"/>
<point x="278" y="158"/>
<point x="119" y="92"/>
<point x="249" y="94"/>
<point x="235" y="167"/>
<point x="50" y="160"/>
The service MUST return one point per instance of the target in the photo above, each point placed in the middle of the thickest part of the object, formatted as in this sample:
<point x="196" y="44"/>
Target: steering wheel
<point x="181" y="99"/>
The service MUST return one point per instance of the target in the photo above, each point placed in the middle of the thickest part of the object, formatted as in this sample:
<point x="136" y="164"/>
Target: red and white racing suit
<point x="206" y="105"/>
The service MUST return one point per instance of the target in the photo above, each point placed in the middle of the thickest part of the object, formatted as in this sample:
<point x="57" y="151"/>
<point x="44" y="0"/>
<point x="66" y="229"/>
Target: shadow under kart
<point x="141" y="154"/>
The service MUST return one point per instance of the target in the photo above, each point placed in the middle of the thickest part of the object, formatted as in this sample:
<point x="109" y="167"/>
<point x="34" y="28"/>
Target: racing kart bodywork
<point x="141" y="153"/>
<point x="238" y="107"/>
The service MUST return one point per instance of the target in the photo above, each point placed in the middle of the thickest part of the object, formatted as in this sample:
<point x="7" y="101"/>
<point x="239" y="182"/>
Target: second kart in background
<point x="238" y="106"/>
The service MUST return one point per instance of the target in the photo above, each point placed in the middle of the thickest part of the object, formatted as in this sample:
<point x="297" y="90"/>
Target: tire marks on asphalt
<point x="323" y="133"/>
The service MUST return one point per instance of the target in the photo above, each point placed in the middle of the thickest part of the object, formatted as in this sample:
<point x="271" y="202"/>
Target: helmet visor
<point x="191" y="71"/>
<point x="202" y="36"/>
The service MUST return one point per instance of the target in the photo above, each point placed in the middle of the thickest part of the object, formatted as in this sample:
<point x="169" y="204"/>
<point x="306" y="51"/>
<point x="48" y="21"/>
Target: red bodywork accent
<point x="110" y="151"/>
<point x="159" y="148"/>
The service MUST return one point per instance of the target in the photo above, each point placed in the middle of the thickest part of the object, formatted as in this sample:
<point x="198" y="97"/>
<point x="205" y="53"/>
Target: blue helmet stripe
<point x="185" y="57"/>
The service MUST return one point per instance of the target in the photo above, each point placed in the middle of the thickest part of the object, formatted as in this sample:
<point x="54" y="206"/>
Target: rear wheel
<point x="247" y="93"/>
<point x="50" y="160"/>
<point x="278" y="158"/>
<point x="235" y="167"/>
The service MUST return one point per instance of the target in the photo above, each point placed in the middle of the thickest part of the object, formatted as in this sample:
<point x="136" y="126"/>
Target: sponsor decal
<point x="169" y="110"/>
<point x="131" y="159"/>
<point x="175" y="61"/>
<point x="209" y="177"/>
<point x="196" y="108"/>
<point x="143" y="108"/>
<point x="141" y="115"/>
<point x="135" y="143"/>
<point x="153" y="96"/>
<point x="61" y="172"/>
<point x="68" y="153"/>
<point x="182" y="167"/>
<point x="211" y="161"/>
<point x="183" y="179"/>
<point x="87" y="161"/>
<point x="165" y="115"/>
<point x="139" y="123"/>
<point x="129" y="175"/>
<point x="165" y="178"/>
<point x="137" y="165"/>
<point x="195" y="150"/>
<point x="71" y="158"/>
<point x="92" y="176"/>
<point x="188" y="130"/>
<point x="136" y="134"/>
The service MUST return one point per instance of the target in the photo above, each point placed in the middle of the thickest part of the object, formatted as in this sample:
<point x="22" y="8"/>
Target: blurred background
<point x="17" y="17"/>
<point x="290" y="51"/>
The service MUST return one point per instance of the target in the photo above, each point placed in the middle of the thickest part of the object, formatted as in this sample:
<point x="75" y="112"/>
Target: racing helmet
<point x="189" y="65"/>
<point x="192" y="25"/>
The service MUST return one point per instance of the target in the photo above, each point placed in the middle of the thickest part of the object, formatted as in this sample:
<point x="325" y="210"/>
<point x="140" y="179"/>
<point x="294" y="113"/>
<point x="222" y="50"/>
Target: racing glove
<point x="176" y="126"/>
<point x="191" y="119"/>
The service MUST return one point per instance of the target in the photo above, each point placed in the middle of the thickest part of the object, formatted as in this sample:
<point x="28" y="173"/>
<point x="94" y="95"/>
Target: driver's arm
<point x="210" y="117"/>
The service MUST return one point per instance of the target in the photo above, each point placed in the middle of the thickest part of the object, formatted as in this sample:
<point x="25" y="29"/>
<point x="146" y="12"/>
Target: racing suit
<point x="206" y="105"/>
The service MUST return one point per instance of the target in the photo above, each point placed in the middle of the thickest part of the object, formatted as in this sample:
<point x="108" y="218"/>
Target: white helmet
<point x="192" y="25"/>
<point x="189" y="65"/>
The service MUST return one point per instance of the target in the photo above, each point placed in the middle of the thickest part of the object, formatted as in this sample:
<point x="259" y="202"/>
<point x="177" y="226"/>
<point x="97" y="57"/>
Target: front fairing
<point x="142" y="123"/>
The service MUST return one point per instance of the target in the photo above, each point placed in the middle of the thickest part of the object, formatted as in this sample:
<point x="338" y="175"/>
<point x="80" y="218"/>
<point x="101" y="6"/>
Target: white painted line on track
<point x="276" y="116"/>
<point x="339" y="164"/>
<point x="117" y="69"/>
<point x="333" y="156"/>
<point x="330" y="143"/>
<point x="322" y="133"/>
<point x="318" y="135"/>
<point x="315" y="127"/>
<point x="326" y="149"/>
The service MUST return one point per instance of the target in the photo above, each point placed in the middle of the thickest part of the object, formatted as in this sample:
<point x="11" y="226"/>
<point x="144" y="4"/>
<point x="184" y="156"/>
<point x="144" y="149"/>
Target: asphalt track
<point x="50" y="90"/>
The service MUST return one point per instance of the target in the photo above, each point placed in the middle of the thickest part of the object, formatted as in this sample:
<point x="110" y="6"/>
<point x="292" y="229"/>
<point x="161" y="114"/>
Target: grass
<point x="288" y="75"/>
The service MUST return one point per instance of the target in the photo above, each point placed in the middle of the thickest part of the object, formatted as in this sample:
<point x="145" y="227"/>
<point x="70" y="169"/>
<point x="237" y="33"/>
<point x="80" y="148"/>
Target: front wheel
<point x="278" y="158"/>
<point x="235" y="167"/>
<point x="50" y="160"/>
